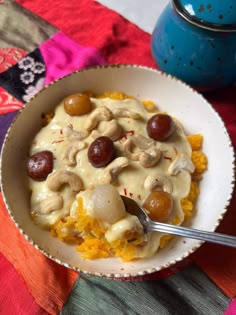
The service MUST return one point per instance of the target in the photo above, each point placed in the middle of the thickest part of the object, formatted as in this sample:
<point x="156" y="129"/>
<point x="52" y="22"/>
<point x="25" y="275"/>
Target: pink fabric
<point x="62" y="56"/>
<point x="231" y="310"/>
<point x="15" y="297"/>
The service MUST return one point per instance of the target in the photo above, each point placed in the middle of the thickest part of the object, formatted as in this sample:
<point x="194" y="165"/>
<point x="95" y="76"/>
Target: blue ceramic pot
<point x="195" y="41"/>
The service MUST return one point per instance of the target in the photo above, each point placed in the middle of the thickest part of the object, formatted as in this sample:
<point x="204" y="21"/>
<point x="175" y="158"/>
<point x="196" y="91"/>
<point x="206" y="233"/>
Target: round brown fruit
<point x="101" y="152"/>
<point x="77" y="104"/>
<point x="160" y="127"/>
<point x="40" y="165"/>
<point x="159" y="205"/>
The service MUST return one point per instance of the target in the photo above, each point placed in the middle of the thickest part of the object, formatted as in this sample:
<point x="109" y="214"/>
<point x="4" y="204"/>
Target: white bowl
<point x="171" y="95"/>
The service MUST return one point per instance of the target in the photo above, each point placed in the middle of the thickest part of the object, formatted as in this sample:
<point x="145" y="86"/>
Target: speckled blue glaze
<point x="213" y="11"/>
<point x="201" y="58"/>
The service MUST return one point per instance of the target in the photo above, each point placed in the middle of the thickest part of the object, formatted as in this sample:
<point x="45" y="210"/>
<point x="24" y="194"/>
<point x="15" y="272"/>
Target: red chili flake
<point x="176" y="151"/>
<point x="131" y="195"/>
<point x="124" y="135"/>
<point x="164" y="151"/>
<point x="125" y="191"/>
<point x="61" y="131"/>
<point x="58" y="141"/>
<point x="70" y="126"/>
<point x="131" y="132"/>
<point x="167" y="158"/>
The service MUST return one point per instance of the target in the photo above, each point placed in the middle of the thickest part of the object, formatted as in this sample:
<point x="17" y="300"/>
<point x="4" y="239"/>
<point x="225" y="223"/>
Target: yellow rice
<point x="94" y="245"/>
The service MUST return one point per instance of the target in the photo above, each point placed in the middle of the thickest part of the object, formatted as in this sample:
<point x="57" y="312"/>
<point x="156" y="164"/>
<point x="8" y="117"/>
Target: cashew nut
<point x="150" y="157"/>
<point x="97" y="115"/>
<point x="113" y="131"/>
<point x="142" y="142"/>
<point x="182" y="161"/>
<point x="51" y="204"/>
<point x="147" y="157"/>
<point x="123" y="112"/>
<point x="113" y="169"/>
<point x="71" y="151"/>
<point x="127" y="146"/>
<point x="158" y="182"/>
<point x="59" y="178"/>
<point x="72" y="134"/>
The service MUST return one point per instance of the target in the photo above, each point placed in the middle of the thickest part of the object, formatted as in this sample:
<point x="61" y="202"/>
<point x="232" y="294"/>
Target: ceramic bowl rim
<point x="116" y="275"/>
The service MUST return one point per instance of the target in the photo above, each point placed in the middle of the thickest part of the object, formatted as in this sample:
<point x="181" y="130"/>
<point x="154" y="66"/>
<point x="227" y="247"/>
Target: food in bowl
<point x="96" y="148"/>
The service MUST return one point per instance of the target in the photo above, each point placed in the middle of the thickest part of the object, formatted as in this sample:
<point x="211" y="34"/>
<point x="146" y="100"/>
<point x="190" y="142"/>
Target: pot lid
<point x="215" y="15"/>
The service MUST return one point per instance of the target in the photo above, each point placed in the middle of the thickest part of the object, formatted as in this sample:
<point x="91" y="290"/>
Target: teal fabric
<point x="189" y="292"/>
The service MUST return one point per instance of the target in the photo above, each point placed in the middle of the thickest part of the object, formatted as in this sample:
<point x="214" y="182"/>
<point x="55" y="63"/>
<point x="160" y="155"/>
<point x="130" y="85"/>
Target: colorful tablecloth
<point x="41" y="41"/>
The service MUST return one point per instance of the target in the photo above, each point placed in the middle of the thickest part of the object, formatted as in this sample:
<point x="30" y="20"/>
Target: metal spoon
<point x="133" y="208"/>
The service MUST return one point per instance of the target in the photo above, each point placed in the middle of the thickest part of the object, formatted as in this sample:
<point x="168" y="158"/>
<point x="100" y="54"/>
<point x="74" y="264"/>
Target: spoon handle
<point x="193" y="233"/>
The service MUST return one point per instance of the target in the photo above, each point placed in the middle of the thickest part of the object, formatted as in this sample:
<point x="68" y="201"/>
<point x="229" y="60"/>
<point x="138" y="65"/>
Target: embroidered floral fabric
<point x="8" y="58"/>
<point x="21" y="33"/>
<point x="25" y="78"/>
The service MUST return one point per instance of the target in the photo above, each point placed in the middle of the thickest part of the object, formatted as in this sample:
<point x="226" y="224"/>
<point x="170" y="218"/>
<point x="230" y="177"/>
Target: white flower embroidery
<point x="38" y="67"/>
<point x="27" y="77"/>
<point x="26" y="63"/>
<point x="33" y="89"/>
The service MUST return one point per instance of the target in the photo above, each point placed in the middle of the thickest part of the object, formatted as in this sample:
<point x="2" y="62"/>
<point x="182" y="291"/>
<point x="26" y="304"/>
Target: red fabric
<point x="8" y="103"/>
<point x="15" y="298"/>
<point x="92" y="24"/>
<point x="218" y="261"/>
<point x="224" y="101"/>
<point x="49" y="283"/>
<point x="9" y="57"/>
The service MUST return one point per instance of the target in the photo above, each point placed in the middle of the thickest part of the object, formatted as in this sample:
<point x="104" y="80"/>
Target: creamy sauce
<point x="129" y="181"/>
<point x="128" y="224"/>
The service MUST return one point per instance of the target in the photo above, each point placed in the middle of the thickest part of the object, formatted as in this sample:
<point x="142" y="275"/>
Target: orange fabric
<point x="49" y="283"/>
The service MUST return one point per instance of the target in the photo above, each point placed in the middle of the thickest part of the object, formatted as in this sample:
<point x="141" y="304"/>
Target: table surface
<point x="104" y="29"/>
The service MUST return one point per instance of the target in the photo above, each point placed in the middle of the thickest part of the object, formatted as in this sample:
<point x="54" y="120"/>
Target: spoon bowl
<point x="150" y="226"/>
